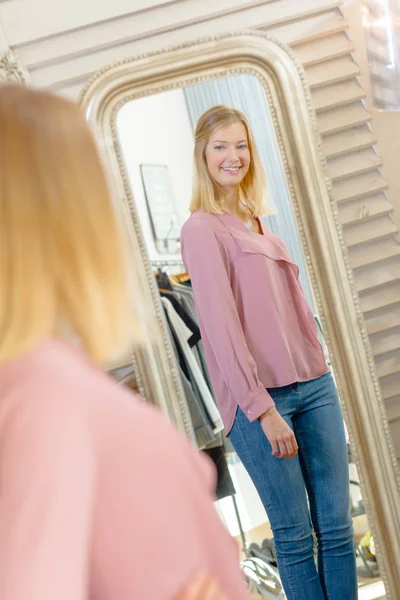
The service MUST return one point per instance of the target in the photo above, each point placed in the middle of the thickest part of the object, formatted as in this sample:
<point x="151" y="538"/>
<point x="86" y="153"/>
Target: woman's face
<point x="227" y="155"/>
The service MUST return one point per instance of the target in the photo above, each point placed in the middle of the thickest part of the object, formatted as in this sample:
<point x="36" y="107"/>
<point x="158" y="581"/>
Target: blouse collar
<point x="235" y="222"/>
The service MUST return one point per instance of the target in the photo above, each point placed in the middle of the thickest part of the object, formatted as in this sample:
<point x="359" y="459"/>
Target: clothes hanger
<point x="180" y="277"/>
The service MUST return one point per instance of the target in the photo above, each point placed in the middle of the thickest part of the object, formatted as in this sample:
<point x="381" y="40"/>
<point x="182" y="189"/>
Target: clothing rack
<point x="167" y="263"/>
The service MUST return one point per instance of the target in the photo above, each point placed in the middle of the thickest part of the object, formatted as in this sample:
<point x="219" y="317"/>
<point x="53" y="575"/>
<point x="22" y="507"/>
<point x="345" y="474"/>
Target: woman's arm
<point x="208" y="265"/>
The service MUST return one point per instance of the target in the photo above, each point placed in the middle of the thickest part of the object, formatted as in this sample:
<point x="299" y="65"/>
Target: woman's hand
<point x="279" y="434"/>
<point x="201" y="587"/>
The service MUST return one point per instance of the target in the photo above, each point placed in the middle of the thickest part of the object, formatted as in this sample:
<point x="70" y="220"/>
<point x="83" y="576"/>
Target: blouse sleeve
<point x="46" y="491"/>
<point x="206" y="260"/>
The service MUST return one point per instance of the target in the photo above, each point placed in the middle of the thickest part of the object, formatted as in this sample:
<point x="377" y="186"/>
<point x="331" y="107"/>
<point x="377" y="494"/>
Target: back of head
<point x="63" y="263"/>
<point x="206" y="193"/>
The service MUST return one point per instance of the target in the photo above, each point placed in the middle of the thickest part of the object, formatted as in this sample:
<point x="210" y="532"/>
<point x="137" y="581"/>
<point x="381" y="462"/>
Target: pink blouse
<point x="257" y="328"/>
<point x="100" y="498"/>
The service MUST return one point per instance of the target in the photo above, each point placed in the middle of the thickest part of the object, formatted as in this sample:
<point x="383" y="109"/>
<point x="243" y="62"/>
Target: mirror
<point x="147" y="130"/>
<point x="156" y="135"/>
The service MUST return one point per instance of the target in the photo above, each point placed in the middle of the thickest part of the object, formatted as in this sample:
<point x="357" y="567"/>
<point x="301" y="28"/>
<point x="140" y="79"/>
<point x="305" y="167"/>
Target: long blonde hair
<point x="207" y="195"/>
<point x="63" y="257"/>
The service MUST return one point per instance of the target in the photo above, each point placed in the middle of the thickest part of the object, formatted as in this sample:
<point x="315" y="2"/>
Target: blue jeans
<point x="320" y="470"/>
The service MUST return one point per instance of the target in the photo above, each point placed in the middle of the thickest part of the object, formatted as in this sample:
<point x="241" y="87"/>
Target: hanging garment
<point x="183" y="334"/>
<point x="200" y="419"/>
<point x="213" y="445"/>
<point x="185" y="316"/>
<point x="203" y="431"/>
<point x="163" y="280"/>
<point x="225" y="486"/>
<point x="187" y="299"/>
<point x="185" y="367"/>
<point x="195" y="340"/>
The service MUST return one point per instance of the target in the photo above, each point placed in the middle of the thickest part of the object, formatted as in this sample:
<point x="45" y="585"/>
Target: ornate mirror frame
<point x="325" y="251"/>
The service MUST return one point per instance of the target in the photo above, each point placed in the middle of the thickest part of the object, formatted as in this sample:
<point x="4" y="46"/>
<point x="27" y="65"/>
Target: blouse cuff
<point x="258" y="405"/>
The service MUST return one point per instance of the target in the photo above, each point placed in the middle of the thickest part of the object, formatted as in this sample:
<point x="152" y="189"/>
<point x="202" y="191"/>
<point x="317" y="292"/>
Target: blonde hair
<point x="63" y="258"/>
<point x="207" y="194"/>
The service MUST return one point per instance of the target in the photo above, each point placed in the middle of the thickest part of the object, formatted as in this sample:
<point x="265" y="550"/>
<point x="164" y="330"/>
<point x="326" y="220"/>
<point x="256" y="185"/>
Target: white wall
<point x="157" y="130"/>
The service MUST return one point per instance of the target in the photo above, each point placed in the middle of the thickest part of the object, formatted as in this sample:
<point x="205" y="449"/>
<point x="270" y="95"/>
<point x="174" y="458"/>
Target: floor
<point x="369" y="588"/>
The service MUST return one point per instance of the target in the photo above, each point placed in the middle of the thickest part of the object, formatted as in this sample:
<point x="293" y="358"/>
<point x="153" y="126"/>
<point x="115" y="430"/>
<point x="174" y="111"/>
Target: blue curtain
<point x="245" y="93"/>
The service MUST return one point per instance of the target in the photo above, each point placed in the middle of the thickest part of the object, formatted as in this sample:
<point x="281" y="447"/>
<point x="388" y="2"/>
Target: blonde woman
<point x="99" y="496"/>
<point x="272" y="385"/>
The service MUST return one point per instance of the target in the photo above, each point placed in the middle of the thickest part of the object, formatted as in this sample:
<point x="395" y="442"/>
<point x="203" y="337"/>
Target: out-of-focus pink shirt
<point x="100" y="498"/>
<point x="257" y="328"/>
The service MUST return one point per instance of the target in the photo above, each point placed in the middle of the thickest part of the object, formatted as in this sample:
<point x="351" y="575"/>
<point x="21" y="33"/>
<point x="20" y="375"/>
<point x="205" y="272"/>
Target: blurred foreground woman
<point x="100" y="498"/>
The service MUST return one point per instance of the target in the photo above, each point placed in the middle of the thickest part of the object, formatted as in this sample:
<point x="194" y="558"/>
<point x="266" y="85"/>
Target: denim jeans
<point x="319" y="471"/>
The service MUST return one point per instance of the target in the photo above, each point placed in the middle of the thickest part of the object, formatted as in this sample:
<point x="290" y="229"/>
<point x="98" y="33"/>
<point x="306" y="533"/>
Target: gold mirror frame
<point x="289" y="101"/>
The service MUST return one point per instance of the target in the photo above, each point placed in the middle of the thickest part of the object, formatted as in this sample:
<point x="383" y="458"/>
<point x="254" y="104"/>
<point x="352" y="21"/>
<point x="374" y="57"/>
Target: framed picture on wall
<point x="161" y="204"/>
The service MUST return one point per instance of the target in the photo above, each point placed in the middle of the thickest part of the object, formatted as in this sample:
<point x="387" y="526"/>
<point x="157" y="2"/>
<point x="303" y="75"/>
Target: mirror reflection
<point x="227" y="257"/>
